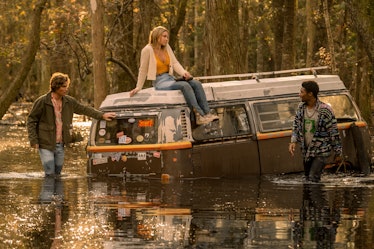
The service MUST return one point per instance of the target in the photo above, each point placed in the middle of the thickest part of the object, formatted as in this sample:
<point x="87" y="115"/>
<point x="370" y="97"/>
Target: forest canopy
<point x="212" y="37"/>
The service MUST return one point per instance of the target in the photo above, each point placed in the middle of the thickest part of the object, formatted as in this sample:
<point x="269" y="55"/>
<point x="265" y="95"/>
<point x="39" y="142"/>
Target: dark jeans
<point x="313" y="168"/>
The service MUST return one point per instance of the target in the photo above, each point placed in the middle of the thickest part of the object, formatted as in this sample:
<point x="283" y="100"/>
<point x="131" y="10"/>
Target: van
<point x="154" y="133"/>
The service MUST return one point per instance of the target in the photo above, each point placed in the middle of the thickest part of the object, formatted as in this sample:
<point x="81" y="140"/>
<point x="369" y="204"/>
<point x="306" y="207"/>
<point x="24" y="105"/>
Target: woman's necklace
<point x="161" y="55"/>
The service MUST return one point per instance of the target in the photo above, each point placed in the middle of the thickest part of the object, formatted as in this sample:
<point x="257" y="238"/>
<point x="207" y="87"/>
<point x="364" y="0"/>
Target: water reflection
<point x="260" y="212"/>
<point x="143" y="214"/>
<point x="226" y="214"/>
<point x="71" y="212"/>
<point x="52" y="191"/>
<point x="318" y="220"/>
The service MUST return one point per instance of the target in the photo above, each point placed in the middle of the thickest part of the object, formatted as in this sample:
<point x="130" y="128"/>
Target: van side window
<point x="233" y="122"/>
<point x="279" y="115"/>
<point x="276" y="115"/>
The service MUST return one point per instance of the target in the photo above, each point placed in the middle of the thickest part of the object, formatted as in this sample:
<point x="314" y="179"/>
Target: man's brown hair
<point x="57" y="80"/>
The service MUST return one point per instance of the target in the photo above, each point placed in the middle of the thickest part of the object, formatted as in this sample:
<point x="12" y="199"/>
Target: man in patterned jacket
<point x="315" y="129"/>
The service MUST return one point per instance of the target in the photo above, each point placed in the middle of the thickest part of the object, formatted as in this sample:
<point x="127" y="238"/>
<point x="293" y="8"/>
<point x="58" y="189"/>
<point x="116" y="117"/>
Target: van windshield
<point x="278" y="115"/>
<point x="343" y="108"/>
<point x="127" y="130"/>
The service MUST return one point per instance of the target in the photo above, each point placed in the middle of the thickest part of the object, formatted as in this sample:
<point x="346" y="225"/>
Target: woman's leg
<point x="187" y="90"/>
<point x="189" y="95"/>
<point x="200" y="95"/>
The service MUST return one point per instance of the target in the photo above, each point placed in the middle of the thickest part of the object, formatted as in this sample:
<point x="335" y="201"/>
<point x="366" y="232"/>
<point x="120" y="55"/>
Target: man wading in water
<point x="49" y="123"/>
<point x="315" y="129"/>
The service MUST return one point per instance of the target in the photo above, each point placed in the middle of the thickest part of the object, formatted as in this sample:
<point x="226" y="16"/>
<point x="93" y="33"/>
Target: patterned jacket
<point x="326" y="136"/>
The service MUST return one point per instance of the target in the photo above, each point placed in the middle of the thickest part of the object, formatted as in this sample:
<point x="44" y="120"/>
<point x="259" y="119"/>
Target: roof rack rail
<point x="256" y="76"/>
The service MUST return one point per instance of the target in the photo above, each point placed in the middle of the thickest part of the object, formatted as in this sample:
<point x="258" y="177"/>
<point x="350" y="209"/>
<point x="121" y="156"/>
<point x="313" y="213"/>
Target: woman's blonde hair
<point x="57" y="80"/>
<point x="155" y="34"/>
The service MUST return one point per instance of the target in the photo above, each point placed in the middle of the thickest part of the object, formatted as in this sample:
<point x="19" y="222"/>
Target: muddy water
<point x="76" y="211"/>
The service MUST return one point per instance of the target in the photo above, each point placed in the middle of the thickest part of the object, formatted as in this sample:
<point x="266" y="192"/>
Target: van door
<point x="225" y="148"/>
<point x="274" y="120"/>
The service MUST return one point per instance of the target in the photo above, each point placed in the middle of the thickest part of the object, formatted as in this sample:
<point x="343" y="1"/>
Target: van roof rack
<point x="257" y="76"/>
<point x="271" y="87"/>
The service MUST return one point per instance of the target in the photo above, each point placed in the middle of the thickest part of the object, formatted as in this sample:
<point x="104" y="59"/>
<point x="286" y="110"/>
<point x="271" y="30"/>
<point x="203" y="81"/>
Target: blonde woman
<point x="158" y="63"/>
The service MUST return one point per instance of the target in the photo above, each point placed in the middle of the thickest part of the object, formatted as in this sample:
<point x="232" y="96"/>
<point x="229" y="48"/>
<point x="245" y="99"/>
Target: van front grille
<point x="184" y="124"/>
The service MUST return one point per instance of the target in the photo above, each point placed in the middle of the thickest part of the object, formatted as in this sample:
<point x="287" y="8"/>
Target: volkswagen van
<point x="154" y="133"/>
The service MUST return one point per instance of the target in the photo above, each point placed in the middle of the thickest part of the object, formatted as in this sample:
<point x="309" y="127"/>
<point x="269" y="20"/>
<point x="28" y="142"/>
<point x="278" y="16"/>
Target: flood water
<point x="76" y="211"/>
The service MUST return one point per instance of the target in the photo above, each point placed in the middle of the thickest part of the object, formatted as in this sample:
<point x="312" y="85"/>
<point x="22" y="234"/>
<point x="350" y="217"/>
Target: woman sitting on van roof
<point x="158" y="62"/>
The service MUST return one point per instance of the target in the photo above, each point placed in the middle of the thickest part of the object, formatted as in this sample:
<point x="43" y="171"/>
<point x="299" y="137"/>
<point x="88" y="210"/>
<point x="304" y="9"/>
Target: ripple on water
<point x="328" y="180"/>
<point x="34" y="175"/>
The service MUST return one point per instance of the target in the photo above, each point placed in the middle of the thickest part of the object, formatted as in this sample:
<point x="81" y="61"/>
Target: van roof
<point x="227" y="90"/>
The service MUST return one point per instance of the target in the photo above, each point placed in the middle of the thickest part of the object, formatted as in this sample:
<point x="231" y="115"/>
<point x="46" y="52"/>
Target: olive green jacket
<point x="41" y="125"/>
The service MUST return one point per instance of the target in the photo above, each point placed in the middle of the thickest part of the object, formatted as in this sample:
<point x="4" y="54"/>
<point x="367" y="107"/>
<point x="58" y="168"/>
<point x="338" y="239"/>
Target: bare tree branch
<point x="124" y="67"/>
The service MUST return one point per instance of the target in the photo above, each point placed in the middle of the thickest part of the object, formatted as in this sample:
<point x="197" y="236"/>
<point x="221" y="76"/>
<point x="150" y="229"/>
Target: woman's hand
<point x="133" y="91"/>
<point x="187" y="76"/>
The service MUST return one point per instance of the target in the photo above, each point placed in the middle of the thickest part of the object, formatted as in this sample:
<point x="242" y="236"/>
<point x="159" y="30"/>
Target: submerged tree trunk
<point x="10" y="94"/>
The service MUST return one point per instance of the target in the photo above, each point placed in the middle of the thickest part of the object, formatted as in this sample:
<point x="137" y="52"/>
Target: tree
<point x="223" y="44"/>
<point x="10" y="94"/>
<point x="261" y="34"/>
<point x="311" y="31"/>
<point x="330" y="39"/>
<point x="363" y="24"/>
<point x="180" y="14"/>
<point x="98" y="52"/>
<point x="288" y="51"/>
<point x="278" y="30"/>
<point x="209" y="38"/>
<point x="120" y="45"/>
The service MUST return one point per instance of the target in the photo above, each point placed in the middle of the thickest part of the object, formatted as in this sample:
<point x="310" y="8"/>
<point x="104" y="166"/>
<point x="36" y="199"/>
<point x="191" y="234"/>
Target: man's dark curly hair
<point x="57" y="80"/>
<point x="311" y="86"/>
